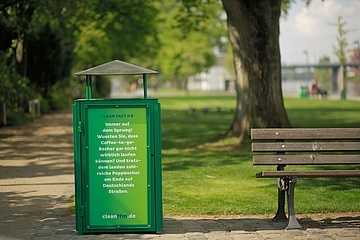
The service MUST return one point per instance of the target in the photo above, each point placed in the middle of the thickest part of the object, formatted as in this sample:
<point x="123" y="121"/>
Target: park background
<point x="61" y="39"/>
<point x="43" y="43"/>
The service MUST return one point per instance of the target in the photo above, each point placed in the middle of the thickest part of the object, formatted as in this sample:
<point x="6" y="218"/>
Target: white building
<point x="217" y="78"/>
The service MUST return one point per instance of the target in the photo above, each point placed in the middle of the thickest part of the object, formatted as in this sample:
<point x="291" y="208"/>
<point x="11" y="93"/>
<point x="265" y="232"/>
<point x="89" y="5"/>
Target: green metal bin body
<point x="304" y="92"/>
<point x="117" y="158"/>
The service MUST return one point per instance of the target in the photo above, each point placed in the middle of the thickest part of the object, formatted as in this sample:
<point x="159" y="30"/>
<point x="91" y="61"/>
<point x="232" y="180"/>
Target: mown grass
<point x="204" y="174"/>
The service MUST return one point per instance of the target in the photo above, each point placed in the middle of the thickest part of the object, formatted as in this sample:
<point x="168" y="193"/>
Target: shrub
<point x="60" y="99"/>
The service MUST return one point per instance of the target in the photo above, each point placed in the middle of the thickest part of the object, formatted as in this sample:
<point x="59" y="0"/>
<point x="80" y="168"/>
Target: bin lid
<point x="116" y="67"/>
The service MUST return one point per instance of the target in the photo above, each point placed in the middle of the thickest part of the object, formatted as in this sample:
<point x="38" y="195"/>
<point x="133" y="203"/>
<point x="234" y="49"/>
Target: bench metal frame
<point x="303" y="146"/>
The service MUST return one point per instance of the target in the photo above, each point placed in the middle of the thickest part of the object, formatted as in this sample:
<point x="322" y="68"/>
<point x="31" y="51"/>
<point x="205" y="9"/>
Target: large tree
<point x="254" y="35"/>
<point x="253" y="28"/>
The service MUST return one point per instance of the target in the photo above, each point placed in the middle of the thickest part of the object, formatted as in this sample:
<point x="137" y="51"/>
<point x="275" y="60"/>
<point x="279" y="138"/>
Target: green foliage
<point x="87" y="49"/>
<point x="342" y="43"/>
<point x="42" y="47"/>
<point x="102" y="87"/>
<point x="340" y="52"/>
<point x="62" y="96"/>
<point x="124" y="30"/>
<point x="44" y="104"/>
<point x="56" y="38"/>
<point x="59" y="100"/>
<point x="286" y="4"/>
<point x="14" y="90"/>
<point x="201" y="16"/>
<point x="48" y="35"/>
<point x="17" y="117"/>
<point x="229" y="61"/>
<point x="324" y="76"/>
<point x="196" y="27"/>
<point x="49" y="64"/>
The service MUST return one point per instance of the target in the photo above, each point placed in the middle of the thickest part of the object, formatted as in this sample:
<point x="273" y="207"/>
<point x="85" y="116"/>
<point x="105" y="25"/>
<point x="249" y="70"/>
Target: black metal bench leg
<point x="280" y="215"/>
<point x="292" y="221"/>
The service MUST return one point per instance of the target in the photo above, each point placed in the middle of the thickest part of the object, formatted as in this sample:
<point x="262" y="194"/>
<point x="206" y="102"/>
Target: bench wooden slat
<point x="305" y="159"/>
<point x="304" y="133"/>
<point x="309" y="174"/>
<point x="305" y="146"/>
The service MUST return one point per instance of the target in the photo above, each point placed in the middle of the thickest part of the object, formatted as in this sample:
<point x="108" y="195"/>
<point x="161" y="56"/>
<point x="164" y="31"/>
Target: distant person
<point x="315" y="89"/>
<point x="133" y="87"/>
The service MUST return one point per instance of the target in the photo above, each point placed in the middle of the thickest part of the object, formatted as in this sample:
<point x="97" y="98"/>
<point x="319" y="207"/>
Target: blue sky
<point x="309" y="29"/>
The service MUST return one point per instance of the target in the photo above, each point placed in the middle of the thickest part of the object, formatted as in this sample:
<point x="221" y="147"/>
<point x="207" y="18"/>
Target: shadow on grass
<point x="324" y="116"/>
<point x="189" y="159"/>
<point x="180" y="130"/>
<point x="332" y="184"/>
<point x="195" y="141"/>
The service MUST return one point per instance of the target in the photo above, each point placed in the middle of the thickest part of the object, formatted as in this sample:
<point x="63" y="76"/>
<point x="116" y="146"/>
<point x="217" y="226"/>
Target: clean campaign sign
<point x="118" y="187"/>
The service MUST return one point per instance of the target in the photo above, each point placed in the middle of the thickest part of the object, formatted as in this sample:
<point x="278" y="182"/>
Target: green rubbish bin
<point x="304" y="92"/>
<point x="117" y="159"/>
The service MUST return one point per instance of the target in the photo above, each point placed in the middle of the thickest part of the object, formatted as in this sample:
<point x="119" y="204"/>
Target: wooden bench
<point x="304" y="146"/>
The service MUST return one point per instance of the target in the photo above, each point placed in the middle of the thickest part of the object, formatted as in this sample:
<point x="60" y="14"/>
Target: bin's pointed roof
<point x="116" y="67"/>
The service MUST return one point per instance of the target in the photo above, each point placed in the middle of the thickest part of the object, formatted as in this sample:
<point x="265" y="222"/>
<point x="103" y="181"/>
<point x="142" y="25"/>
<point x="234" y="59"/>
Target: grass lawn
<point x="206" y="175"/>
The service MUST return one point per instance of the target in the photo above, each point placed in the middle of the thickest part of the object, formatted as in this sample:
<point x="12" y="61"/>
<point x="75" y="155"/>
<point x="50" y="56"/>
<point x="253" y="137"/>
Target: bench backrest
<point x="306" y="146"/>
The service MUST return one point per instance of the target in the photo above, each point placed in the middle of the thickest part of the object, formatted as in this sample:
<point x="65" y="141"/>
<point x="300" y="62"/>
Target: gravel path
<point x="36" y="173"/>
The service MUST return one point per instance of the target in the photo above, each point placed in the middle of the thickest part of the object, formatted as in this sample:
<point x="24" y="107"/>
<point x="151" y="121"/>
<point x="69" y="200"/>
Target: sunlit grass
<point x="204" y="174"/>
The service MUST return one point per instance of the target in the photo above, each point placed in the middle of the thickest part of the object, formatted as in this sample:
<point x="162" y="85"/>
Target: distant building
<point x="217" y="78"/>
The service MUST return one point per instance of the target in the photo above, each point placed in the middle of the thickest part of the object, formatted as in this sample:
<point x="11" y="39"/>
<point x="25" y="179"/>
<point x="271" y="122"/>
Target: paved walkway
<point x="36" y="181"/>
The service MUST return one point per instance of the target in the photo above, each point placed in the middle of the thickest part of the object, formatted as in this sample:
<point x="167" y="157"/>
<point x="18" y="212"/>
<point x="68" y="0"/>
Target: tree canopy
<point x="44" y="42"/>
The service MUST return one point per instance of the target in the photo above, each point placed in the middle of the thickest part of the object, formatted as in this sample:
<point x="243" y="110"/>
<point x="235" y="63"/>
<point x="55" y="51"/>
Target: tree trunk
<point x="254" y="35"/>
<point x="24" y="11"/>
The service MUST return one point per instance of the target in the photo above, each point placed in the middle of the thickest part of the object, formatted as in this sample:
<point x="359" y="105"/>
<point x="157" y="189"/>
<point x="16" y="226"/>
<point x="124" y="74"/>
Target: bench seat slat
<point x="309" y="174"/>
<point x="305" y="146"/>
<point x="304" y="133"/>
<point x="305" y="159"/>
